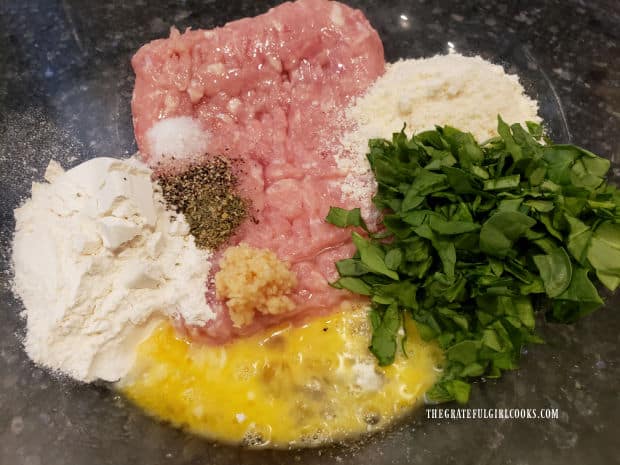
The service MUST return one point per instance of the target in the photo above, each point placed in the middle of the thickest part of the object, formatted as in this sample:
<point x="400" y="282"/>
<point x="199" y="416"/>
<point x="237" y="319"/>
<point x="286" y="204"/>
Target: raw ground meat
<point x="270" y="90"/>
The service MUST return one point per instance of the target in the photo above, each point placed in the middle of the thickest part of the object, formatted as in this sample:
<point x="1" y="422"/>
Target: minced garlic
<point x="254" y="280"/>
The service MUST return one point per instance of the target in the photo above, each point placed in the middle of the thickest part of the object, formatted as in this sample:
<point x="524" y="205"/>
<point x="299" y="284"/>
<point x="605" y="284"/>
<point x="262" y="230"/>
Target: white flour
<point x="98" y="263"/>
<point x="466" y="93"/>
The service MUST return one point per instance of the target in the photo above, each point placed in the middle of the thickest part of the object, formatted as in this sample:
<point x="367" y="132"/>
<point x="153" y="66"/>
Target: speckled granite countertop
<point x="65" y="88"/>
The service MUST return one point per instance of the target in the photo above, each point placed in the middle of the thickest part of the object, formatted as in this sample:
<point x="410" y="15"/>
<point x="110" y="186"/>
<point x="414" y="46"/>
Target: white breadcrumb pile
<point x="467" y="93"/>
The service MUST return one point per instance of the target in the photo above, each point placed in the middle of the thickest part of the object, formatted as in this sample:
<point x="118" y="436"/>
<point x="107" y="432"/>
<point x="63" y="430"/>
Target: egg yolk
<point x="293" y="386"/>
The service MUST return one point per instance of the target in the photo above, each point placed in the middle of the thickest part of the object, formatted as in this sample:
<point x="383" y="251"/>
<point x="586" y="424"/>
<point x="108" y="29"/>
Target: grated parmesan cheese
<point x="465" y="92"/>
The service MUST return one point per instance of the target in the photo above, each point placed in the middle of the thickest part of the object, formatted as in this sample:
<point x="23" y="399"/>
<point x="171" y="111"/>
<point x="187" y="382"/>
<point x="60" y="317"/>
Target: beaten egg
<point x="293" y="386"/>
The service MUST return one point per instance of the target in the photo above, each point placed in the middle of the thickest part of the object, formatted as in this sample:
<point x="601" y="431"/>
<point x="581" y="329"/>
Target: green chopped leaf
<point x="461" y="181"/>
<point x="450" y="228"/>
<point x="511" y="146"/>
<point x="401" y="292"/>
<point x="356" y="285"/>
<point x="610" y="281"/>
<point x="510" y="205"/>
<point x="447" y="254"/>
<point x="460" y="390"/>
<point x="559" y="160"/>
<point x="523" y="310"/>
<point x="393" y="259"/>
<point x="535" y="129"/>
<point x="460" y="320"/>
<point x="351" y="267"/>
<point x="383" y="343"/>
<point x="555" y="271"/>
<point x="373" y="257"/>
<point x="491" y="340"/>
<point x="578" y="300"/>
<point x="425" y="182"/>
<point x="501" y="230"/>
<point x="344" y="218"/>
<point x="465" y="352"/>
<point x="507" y="182"/>
<point x="604" y="253"/>
<point x="543" y="206"/>
<point x="448" y="390"/>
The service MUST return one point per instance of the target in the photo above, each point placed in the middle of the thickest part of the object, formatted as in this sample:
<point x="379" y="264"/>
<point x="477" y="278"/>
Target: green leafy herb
<point x="373" y="256"/>
<point x="501" y="230"/>
<point x="385" y="327"/>
<point x="472" y="235"/>
<point x="555" y="271"/>
<point x="344" y="218"/>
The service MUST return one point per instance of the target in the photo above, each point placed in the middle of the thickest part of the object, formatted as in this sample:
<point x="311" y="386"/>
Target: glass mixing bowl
<point x="65" y="90"/>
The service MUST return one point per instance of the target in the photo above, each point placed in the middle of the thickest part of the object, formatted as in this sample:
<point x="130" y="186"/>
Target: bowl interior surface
<point x="65" y="91"/>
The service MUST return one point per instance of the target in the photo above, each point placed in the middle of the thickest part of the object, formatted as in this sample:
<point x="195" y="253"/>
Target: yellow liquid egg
<point x="293" y="386"/>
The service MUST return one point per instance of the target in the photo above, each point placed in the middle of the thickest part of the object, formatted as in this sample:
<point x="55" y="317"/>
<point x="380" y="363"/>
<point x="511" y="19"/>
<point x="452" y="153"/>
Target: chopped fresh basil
<point x="471" y="234"/>
<point x="344" y="218"/>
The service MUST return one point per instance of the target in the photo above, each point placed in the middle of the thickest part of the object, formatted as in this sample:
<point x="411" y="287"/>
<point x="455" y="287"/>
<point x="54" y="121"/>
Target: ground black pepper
<point x="206" y="195"/>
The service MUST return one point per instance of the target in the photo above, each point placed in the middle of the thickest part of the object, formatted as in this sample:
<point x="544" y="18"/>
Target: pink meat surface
<point x="271" y="90"/>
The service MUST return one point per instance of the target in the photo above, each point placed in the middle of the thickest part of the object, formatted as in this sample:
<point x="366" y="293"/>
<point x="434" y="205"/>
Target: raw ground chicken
<point x="270" y="90"/>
